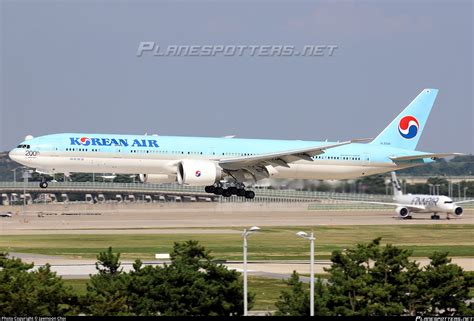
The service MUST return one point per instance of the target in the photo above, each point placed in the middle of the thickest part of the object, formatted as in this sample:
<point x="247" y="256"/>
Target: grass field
<point x="267" y="291"/>
<point x="270" y="243"/>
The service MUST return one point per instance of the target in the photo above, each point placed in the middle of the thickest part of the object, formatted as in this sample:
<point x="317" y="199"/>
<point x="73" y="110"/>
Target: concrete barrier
<point x="89" y="199"/>
<point x="5" y="200"/>
<point x="101" y="198"/>
<point x="65" y="197"/>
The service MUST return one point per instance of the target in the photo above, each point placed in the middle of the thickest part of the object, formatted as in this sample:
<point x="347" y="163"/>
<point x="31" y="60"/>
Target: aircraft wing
<point x="466" y="201"/>
<point x="279" y="158"/>
<point x="409" y="206"/>
<point x="432" y="155"/>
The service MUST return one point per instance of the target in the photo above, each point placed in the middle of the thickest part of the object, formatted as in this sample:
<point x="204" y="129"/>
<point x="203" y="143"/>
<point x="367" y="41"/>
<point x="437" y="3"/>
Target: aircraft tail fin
<point x="406" y="129"/>
<point x="397" y="189"/>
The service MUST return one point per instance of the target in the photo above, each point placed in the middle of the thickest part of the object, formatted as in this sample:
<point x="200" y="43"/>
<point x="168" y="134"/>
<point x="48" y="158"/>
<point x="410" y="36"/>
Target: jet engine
<point x="458" y="211"/>
<point x="157" y="178"/>
<point x="198" y="173"/>
<point x="403" y="212"/>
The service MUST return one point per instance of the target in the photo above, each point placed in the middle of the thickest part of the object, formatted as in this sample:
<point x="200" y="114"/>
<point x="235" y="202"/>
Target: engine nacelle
<point x="157" y="178"/>
<point x="198" y="173"/>
<point x="402" y="211"/>
<point x="458" y="211"/>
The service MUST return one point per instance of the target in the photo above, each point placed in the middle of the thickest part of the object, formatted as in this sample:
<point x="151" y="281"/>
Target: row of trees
<point x="370" y="280"/>
<point x="366" y="280"/>
<point x="192" y="284"/>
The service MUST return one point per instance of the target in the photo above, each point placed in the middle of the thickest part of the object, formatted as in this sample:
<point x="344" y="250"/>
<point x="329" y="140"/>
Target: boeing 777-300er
<point x="226" y="165"/>
<point x="406" y="204"/>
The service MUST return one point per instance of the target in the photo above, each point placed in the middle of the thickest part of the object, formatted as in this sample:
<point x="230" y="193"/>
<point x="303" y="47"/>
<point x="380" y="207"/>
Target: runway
<point x="200" y="217"/>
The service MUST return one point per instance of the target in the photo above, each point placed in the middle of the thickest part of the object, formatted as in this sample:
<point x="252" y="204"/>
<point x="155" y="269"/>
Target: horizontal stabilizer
<point x="432" y="156"/>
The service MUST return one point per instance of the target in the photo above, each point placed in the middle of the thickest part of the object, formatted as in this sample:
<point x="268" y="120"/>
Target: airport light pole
<point x="26" y="175"/>
<point x="311" y="238"/>
<point x="245" y="235"/>
<point x="14" y="173"/>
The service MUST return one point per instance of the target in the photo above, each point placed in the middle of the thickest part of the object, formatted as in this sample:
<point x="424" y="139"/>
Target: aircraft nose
<point x="13" y="154"/>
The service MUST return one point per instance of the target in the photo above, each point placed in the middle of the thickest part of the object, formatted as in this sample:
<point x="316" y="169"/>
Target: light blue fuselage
<point x="138" y="154"/>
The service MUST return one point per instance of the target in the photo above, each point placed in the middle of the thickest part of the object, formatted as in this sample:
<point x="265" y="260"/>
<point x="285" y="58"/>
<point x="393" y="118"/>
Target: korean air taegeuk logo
<point x="408" y="127"/>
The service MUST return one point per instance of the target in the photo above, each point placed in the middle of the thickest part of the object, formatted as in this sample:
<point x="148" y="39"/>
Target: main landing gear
<point x="228" y="192"/>
<point x="435" y="216"/>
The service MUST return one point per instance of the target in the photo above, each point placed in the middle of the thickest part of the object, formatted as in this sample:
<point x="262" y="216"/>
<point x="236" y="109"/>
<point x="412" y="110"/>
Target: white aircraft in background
<point x="406" y="204"/>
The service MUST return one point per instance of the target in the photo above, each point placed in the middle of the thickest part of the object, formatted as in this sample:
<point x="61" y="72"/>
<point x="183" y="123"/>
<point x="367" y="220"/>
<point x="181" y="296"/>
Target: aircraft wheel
<point x="218" y="190"/>
<point x="44" y="184"/>
<point x="249" y="194"/>
<point x="233" y="190"/>
<point x="210" y="189"/>
<point x="227" y="193"/>
<point x="241" y="192"/>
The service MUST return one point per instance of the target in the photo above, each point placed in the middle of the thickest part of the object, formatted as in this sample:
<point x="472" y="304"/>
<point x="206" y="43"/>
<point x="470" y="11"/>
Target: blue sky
<point x="71" y="66"/>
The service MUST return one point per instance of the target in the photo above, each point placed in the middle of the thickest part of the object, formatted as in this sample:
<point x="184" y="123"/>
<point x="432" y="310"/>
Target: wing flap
<point x="422" y="156"/>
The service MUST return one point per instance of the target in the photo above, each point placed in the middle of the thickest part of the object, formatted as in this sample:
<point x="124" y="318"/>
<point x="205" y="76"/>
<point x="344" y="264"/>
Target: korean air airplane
<point x="225" y="166"/>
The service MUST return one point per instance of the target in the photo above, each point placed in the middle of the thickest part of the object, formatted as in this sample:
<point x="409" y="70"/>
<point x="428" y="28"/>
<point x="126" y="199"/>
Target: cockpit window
<point x="23" y="146"/>
<point x="448" y="202"/>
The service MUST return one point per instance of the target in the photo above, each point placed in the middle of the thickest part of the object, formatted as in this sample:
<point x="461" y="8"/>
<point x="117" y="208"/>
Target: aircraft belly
<point x="120" y="165"/>
<point x="326" y="171"/>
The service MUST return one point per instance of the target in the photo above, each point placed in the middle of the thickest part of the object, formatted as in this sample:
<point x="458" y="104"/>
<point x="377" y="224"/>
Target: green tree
<point x="448" y="287"/>
<point x="415" y="300"/>
<point x="349" y="281"/>
<point x="108" y="263"/>
<point x="370" y="281"/>
<point x="293" y="301"/>
<point x="27" y="292"/>
<point x="192" y="285"/>
<point x="386" y="286"/>
<point x="106" y="290"/>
